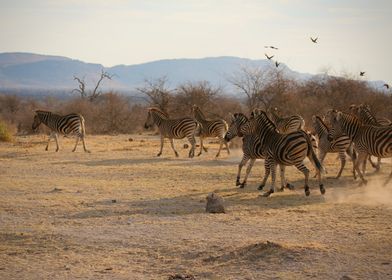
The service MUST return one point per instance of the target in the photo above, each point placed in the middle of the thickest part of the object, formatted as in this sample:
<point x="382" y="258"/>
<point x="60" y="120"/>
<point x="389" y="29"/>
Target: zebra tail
<point x="82" y="125"/>
<point x="313" y="157"/>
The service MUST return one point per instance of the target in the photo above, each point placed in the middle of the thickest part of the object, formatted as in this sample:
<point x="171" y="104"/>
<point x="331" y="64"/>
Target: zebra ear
<point x="338" y="116"/>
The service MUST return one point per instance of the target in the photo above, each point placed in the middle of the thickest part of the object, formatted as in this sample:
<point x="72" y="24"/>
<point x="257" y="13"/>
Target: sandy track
<point x="122" y="213"/>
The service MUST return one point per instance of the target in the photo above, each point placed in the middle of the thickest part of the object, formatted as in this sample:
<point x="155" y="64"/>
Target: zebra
<point x="341" y="145"/>
<point x="252" y="149"/>
<point x="368" y="139"/>
<point x="288" y="124"/>
<point x="364" y="114"/>
<point x="68" y="124"/>
<point x="210" y="128"/>
<point x="173" y="128"/>
<point x="283" y="149"/>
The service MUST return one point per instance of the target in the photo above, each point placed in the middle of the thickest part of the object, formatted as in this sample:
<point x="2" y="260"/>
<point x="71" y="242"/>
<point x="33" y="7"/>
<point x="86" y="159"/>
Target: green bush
<point x="5" y="134"/>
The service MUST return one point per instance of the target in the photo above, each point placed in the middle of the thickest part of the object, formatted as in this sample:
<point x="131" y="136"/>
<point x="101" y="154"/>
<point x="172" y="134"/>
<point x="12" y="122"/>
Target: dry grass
<point x="122" y="213"/>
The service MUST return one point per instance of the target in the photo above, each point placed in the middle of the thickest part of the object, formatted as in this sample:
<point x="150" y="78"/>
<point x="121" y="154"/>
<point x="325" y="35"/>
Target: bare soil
<point x="123" y="213"/>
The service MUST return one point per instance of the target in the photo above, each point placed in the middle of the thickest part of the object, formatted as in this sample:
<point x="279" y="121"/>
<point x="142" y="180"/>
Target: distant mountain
<point x="21" y="71"/>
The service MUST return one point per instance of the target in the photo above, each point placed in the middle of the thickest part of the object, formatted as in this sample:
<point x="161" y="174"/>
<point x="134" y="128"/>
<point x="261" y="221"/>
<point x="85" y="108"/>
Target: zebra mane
<point x="196" y="109"/>
<point x="319" y="121"/>
<point x="263" y="117"/>
<point x="364" y="113"/>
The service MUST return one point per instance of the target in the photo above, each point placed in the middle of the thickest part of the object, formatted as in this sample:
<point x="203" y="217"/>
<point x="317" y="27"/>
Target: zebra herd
<point x="265" y="135"/>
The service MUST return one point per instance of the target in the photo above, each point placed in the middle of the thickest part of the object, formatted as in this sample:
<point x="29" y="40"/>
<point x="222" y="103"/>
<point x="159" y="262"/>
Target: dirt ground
<point x="122" y="213"/>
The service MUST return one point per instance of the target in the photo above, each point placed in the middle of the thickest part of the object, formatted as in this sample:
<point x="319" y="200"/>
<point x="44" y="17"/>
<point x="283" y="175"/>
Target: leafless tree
<point x="251" y="82"/>
<point x="157" y="93"/>
<point x="92" y="95"/>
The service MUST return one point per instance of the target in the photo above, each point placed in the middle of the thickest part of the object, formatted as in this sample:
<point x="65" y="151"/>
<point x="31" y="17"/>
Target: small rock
<point x="214" y="203"/>
<point x="182" y="277"/>
<point x="130" y="139"/>
<point x="186" y="146"/>
<point x="346" y="277"/>
<point x="142" y="141"/>
<point x="114" y="200"/>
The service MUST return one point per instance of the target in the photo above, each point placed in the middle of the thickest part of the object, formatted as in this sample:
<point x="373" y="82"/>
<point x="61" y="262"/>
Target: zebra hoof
<point x="363" y="183"/>
<point x="158" y="155"/>
<point x="242" y="185"/>
<point x="260" y="187"/>
<point x="307" y="191"/>
<point x="281" y="189"/>
<point x="322" y="189"/>
<point x="290" y="186"/>
<point x="267" y="194"/>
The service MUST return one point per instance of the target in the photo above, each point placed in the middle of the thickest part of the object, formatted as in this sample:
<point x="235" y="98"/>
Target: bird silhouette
<point x="314" y="40"/>
<point x="277" y="64"/>
<point x="386" y="85"/>
<point x="271" y="47"/>
<point x="362" y="73"/>
<point x="269" y="57"/>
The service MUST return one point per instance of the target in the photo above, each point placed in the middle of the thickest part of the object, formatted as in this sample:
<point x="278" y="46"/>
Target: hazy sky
<point x="353" y="35"/>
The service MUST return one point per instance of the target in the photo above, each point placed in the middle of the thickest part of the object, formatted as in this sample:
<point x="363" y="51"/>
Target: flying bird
<point x="314" y="40"/>
<point x="269" y="57"/>
<point x="362" y="73"/>
<point x="386" y="85"/>
<point x="277" y="64"/>
<point x="271" y="47"/>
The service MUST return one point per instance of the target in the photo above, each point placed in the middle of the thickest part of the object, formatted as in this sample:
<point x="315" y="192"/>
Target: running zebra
<point x="365" y="115"/>
<point x="283" y="149"/>
<point x="288" y="124"/>
<point x="252" y="148"/>
<point x="341" y="145"/>
<point x="210" y="128"/>
<point x="66" y="125"/>
<point x="368" y="139"/>
<point x="173" y="128"/>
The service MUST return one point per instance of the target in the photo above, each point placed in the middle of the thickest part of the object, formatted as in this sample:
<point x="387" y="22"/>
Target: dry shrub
<point x="5" y="133"/>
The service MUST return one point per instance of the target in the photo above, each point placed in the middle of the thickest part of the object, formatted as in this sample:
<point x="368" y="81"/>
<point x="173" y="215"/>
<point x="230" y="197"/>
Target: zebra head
<point x="335" y="130"/>
<point x="237" y="120"/>
<point x="150" y="120"/>
<point x="37" y="121"/>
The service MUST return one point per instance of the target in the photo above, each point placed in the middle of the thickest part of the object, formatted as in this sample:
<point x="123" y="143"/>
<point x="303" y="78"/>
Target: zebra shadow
<point x="189" y="204"/>
<point x="124" y="161"/>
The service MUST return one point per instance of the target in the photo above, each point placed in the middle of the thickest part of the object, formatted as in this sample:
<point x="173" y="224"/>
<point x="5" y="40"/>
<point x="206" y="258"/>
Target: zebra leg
<point x="172" y="145"/>
<point x="301" y="167"/>
<point x="267" y="171"/>
<point x="378" y="166"/>
<point x="50" y="136"/>
<point x="220" y="146"/>
<point x="248" y="169"/>
<point x="57" y="142"/>
<point x="227" y="147"/>
<point x="322" y="155"/>
<point x="201" y="146"/>
<point x="272" y="166"/>
<point x="242" y="163"/>
<point x="362" y="158"/>
<point x="192" y="140"/>
<point x="352" y="154"/>
<point x="282" y="178"/>
<point x="76" y="144"/>
<point x="84" y="145"/>
<point x="342" y="157"/>
<point x="389" y="179"/>
<point x="160" y="152"/>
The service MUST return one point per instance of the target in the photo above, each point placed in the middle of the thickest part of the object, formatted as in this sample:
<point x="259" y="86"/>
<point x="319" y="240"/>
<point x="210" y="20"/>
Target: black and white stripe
<point x="252" y="148"/>
<point x="66" y="125"/>
<point x="173" y="128"/>
<point x="340" y="145"/>
<point x="210" y="128"/>
<point x="368" y="139"/>
<point x="283" y="149"/>
<point x="288" y="124"/>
